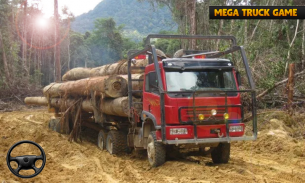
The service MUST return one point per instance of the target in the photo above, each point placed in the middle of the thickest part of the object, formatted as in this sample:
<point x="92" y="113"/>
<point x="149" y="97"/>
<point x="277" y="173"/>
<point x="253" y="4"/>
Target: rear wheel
<point x="101" y="139"/>
<point x="221" y="153"/>
<point x="116" y="142"/>
<point x="156" y="151"/>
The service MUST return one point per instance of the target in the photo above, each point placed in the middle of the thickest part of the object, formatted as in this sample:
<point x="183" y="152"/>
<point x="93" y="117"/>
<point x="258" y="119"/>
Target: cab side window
<point x="151" y="84"/>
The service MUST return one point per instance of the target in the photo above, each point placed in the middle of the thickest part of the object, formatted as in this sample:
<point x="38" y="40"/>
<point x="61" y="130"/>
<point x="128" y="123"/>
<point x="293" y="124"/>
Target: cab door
<point x="151" y="96"/>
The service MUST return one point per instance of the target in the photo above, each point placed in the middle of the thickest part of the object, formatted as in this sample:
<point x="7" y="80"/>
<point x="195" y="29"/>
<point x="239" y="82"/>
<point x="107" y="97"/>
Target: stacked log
<point x="58" y="103"/>
<point x="136" y="85"/>
<point x="76" y="74"/>
<point x="41" y="101"/>
<point x="119" y="68"/>
<point x="109" y="86"/>
<point x="116" y="107"/>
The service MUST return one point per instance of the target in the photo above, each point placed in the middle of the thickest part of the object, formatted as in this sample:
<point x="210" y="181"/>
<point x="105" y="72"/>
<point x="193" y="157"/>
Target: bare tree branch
<point x="278" y="84"/>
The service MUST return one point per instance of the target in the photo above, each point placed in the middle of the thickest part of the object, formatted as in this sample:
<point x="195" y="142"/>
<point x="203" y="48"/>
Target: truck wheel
<point x="221" y="153"/>
<point x="101" y="139"/>
<point x="156" y="151"/>
<point x="116" y="142"/>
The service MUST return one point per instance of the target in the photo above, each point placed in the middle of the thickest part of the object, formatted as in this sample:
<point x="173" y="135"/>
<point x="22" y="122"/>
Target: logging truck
<point x="192" y="100"/>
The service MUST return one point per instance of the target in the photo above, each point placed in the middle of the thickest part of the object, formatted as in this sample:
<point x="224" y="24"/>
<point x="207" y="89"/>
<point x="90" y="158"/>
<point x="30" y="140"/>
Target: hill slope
<point x="138" y="17"/>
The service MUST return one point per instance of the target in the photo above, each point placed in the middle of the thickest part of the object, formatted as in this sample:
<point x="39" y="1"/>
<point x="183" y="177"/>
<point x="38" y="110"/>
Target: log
<point x="118" y="106"/>
<point x="109" y="86"/>
<point x="136" y="85"/>
<point x="58" y="103"/>
<point x="65" y="104"/>
<point x="40" y="101"/>
<point x="123" y="69"/>
<point x="52" y="90"/>
<point x="114" y="107"/>
<point x="119" y="68"/>
<point x="76" y="74"/>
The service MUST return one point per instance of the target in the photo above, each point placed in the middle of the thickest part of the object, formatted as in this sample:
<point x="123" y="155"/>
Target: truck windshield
<point x="201" y="80"/>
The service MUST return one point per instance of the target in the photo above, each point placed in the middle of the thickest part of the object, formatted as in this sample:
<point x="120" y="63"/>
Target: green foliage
<point x="168" y="46"/>
<point x="130" y="45"/>
<point x="79" y="50"/>
<point x="106" y="42"/>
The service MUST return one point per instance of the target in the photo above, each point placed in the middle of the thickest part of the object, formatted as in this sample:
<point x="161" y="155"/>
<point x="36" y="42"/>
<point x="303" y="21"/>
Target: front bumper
<point x="209" y="140"/>
<point x="204" y="134"/>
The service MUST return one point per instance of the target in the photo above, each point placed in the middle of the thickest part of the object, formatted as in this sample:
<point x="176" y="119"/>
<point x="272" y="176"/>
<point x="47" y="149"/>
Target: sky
<point x="77" y="7"/>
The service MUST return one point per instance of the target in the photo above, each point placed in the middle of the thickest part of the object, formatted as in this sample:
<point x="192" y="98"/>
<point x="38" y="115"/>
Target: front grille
<point x="187" y="115"/>
<point x="204" y="111"/>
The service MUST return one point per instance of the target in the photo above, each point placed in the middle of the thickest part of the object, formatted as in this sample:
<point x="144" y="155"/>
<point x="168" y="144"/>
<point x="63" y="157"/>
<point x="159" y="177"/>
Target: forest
<point x="27" y="49"/>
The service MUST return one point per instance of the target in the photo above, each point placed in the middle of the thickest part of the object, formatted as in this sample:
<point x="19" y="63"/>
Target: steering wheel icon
<point x="26" y="162"/>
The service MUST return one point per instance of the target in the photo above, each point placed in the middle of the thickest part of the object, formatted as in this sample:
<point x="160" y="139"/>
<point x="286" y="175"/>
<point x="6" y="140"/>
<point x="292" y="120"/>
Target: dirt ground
<point x="274" y="157"/>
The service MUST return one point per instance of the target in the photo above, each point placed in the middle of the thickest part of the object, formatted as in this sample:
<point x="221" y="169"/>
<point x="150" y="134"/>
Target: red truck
<point x="193" y="101"/>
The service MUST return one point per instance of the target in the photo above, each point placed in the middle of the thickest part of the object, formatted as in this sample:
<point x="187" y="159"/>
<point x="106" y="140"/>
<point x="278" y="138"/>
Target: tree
<point x="57" y="43"/>
<point x="24" y="48"/>
<point x="106" y="42"/>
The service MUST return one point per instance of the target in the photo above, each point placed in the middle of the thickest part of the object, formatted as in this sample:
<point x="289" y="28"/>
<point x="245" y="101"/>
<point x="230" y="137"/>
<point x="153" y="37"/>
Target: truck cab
<point x="192" y="101"/>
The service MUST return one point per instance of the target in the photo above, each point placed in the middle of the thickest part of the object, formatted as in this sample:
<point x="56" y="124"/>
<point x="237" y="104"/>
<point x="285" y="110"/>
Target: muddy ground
<point x="274" y="157"/>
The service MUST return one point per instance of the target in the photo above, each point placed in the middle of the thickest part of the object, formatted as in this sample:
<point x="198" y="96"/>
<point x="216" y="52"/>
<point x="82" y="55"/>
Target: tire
<point x="156" y="151"/>
<point x="221" y="153"/>
<point x="179" y="53"/>
<point x="101" y="139"/>
<point x="116" y="142"/>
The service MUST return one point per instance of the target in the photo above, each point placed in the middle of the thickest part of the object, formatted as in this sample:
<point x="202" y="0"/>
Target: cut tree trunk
<point x="136" y="85"/>
<point x="114" y="107"/>
<point x="118" y="68"/>
<point x="65" y="104"/>
<point x="40" y="101"/>
<point x="118" y="106"/>
<point x="76" y="74"/>
<point x="58" y="103"/>
<point x="109" y="86"/>
<point x="105" y="70"/>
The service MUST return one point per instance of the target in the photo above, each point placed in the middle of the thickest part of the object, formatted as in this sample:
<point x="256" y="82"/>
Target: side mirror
<point x="238" y="77"/>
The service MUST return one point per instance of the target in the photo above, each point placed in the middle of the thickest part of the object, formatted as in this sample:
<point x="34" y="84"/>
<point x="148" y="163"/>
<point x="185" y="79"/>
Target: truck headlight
<point x="226" y="116"/>
<point x="236" y="129"/>
<point x="178" y="131"/>
<point x="213" y="112"/>
<point x="201" y="117"/>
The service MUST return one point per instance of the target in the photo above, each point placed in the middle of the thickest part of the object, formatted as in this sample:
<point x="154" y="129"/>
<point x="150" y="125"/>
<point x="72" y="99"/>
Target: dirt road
<point x="274" y="157"/>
